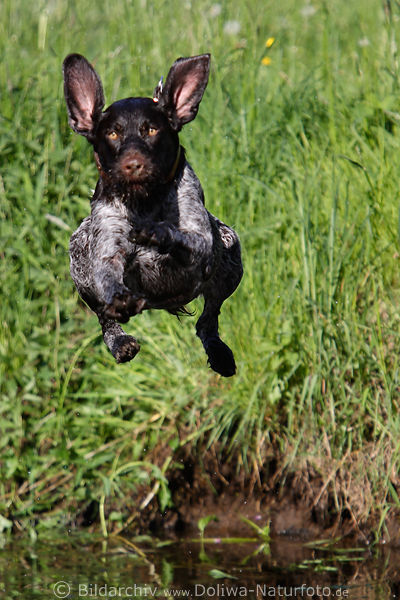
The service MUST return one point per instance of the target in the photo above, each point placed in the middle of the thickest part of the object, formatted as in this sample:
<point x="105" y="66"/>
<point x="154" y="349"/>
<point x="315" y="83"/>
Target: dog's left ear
<point x="184" y="87"/>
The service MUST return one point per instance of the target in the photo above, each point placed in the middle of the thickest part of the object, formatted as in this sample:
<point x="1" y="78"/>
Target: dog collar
<point x="174" y="166"/>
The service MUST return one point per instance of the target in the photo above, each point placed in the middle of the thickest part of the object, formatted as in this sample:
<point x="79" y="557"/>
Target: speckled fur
<point x="149" y="241"/>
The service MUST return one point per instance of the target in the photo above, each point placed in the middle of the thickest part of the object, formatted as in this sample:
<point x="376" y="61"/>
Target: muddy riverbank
<point x="312" y="501"/>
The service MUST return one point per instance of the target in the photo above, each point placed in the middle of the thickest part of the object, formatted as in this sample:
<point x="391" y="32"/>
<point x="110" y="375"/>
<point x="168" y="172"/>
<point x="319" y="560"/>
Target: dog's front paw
<point x="114" y="290"/>
<point x="116" y="302"/>
<point x="118" y="310"/>
<point x="124" y="348"/>
<point x="124" y="306"/>
<point x="153" y="234"/>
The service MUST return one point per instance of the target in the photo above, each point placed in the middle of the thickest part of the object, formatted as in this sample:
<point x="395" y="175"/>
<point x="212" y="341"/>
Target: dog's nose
<point x="132" y="166"/>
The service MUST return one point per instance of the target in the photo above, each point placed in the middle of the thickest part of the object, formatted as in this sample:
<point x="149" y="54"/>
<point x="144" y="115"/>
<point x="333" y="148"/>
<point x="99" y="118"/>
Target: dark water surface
<point x="80" y="567"/>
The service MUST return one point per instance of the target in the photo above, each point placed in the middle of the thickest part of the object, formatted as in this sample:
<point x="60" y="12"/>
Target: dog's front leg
<point x="118" y="301"/>
<point x="110" y="250"/>
<point x="184" y="247"/>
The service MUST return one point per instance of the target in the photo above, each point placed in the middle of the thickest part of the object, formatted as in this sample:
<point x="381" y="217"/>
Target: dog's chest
<point x="148" y="271"/>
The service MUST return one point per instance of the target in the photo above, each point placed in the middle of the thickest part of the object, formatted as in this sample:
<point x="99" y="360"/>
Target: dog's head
<point x="136" y="139"/>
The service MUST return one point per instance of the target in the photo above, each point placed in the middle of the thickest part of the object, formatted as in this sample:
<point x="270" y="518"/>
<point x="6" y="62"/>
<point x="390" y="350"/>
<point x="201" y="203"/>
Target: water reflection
<point x="81" y="567"/>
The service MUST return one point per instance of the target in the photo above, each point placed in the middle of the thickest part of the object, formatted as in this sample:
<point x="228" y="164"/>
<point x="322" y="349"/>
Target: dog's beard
<point x="137" y="192"/>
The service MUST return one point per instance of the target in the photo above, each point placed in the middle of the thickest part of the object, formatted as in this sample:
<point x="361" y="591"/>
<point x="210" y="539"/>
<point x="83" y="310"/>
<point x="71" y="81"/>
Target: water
<point x="80" y="567"/>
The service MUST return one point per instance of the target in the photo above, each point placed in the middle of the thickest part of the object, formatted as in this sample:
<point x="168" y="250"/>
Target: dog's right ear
<point x="83" y="94"/>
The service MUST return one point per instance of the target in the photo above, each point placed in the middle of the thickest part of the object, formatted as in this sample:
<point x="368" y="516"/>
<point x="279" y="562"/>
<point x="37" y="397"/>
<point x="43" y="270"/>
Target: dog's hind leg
<point x="222" y="284"/>
<point x="123" y="347"/>
<point x="220" y="356"/>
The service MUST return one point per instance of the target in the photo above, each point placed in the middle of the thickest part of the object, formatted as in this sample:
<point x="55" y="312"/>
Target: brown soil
<point x="310" y="502"/>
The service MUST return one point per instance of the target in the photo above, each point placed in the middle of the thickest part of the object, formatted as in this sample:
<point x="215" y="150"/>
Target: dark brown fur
<point x="149" y="241"/>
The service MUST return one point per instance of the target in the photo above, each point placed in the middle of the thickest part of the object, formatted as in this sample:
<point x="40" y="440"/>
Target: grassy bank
<point x="301" y="154"/>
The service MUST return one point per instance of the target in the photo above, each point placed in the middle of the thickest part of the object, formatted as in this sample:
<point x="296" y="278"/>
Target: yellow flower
<point x="266" y="61"/>
<point x="269" y="42"/>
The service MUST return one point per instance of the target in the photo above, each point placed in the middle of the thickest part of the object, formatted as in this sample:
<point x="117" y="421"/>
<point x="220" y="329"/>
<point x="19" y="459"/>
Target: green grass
<point x="302" y="157"/>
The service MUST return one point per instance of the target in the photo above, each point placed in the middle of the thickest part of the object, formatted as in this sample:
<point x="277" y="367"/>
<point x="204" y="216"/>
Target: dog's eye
<point x="112" y="135"/>
<point x="152" y="131"/>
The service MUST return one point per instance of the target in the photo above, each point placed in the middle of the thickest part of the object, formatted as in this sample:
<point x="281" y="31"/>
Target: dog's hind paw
<point x="124" y="348"/>
<point x="220" y="357"/>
